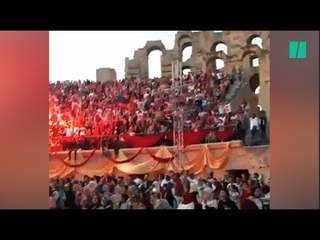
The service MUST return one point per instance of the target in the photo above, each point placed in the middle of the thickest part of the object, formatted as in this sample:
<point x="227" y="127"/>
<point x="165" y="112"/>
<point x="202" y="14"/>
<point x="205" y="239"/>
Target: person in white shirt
<point x="164" y="182"/>
<point x="192" y="179"/>
<point x="219" y="75"/>
<point x="69" y="132"/>
<point x="208" y="202"/>
<point x="227" y="108"/>
<point x="238" y="183"/>
<point x="220" y="124"/>
<point x="92" y="185"/>
<point x="234" y="194"/>
<point x="221" y="109"/>
<point x="254" y="126"/>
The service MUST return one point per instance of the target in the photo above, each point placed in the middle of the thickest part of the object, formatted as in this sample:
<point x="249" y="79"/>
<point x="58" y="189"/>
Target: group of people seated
<point x="172" y="191"/>
<point x="87" y="109"/>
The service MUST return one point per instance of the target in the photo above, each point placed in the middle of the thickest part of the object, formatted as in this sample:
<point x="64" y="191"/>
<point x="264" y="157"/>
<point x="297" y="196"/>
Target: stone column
<point x="126" y="60"/>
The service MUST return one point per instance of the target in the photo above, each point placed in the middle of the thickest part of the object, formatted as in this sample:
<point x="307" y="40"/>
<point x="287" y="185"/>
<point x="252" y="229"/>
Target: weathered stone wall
<point x="106" y="74"/>
<point x="254" y="159"/>
<point x="239" y="55"/>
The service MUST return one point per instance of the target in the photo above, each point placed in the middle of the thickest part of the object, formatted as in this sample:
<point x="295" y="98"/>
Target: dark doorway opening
<point x="237" y="173"/>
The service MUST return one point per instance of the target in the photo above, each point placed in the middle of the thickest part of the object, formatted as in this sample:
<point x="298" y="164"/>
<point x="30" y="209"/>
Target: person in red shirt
<point x="244" y="193"/>
<point x="190" y="196"/>
<point x="178" y="185"/>
<point x="101" y="126"/>
<point x="253" y="202"/>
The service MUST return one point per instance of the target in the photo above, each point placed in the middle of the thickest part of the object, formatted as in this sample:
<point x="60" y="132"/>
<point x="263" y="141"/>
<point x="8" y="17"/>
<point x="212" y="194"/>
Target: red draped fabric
<point x="158" y="159"/>
<point x="190" y="137"/>
<point x="142" y="141"/>
<point x="225" y="134"/>
<point x="124" y="161"/>
<point x="61" y="159"/>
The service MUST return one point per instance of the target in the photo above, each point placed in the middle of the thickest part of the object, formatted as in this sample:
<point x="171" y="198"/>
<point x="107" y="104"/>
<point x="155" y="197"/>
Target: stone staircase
<point x="236" y="93"/>
<point x="234" y="89"/>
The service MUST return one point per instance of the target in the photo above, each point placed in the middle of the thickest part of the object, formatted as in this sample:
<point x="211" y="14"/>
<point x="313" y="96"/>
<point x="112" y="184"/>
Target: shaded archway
<point x="254" y="82"/>
<point x="154" y="63"/>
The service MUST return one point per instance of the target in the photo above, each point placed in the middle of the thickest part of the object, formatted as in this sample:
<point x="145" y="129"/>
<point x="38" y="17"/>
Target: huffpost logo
<point x="298" y="49"/>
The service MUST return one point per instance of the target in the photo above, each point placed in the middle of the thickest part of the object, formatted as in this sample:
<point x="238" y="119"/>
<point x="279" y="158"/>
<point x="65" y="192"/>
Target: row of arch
<point x="154" y="57"/>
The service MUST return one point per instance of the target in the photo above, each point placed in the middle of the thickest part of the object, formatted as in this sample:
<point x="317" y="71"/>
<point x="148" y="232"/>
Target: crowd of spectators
<point x="85" y="110"/>
<point x="173" y="191"/>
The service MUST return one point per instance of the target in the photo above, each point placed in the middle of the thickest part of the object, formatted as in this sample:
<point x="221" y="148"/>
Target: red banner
<point x="73" y="165"/>
<point x="189" y="138"/>
<point x="224" y="135"/>
<point x="142" y="141"/>
<point x="158" y="159"/>
<point x="124" y="161"/>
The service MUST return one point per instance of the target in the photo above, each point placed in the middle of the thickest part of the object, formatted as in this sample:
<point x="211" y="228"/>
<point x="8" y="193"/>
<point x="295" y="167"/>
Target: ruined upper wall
<point x="240" y="53"/>
<point x="203" y="51"/>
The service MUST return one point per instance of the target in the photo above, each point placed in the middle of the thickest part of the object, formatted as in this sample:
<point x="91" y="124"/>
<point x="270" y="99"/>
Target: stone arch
<point x="154" y="63"/>
<point x="212" y="63"/>
<point x="252" y="38"/>
<point x="183" y="38"/>
<point x="254" y="82"/>
<point x="219" y="44"/>
<point x="250" y="54"/>
<point x="186" y="69"/>
<point x="154" y="45"/>
<point x="184" y="41"/>
<point x="144" y="60"/>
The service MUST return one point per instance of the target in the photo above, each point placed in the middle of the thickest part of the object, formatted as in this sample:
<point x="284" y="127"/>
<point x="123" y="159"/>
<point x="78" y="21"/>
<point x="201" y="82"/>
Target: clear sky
<point x="76" y="55"/>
